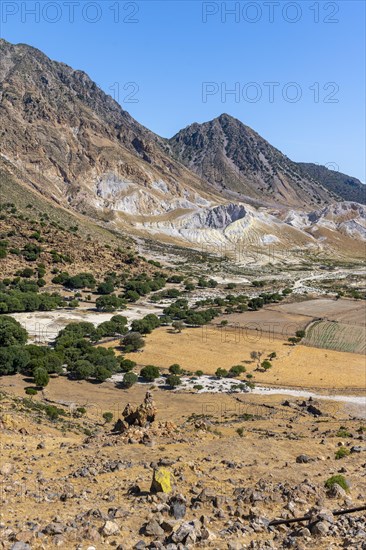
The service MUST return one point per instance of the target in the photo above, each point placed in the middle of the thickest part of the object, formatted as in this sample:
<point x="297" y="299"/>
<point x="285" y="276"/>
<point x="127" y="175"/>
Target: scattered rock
<point x="336" y="491"/>
<point x="153" y="529"/>
<point x="7" y="469"/>
<point x="110" y="528"/>
<point x="177" y="507"/>
<point x="303" y="459"/>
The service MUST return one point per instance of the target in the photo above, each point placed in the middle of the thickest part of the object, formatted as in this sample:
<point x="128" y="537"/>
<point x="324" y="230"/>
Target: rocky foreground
<point x="146" y="482"/>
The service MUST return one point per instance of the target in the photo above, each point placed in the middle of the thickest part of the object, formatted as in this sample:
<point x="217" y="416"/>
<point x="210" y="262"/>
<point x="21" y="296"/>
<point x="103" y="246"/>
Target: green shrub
<point x="108" y="416"/>
<point x="31" y="391"/>
<point x="342" y="452"/>
<point x="53" y="412"/>
<point x="198" y="387"/>
<point x="240" y="432"/>
<point x="199" y="373"/>
<point x="343" y="432"/>
<point x="337" y="479"/>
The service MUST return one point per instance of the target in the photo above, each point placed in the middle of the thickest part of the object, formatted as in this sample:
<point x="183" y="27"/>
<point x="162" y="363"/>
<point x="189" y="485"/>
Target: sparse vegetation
<point x="337" y="479"/>
<point x="342" y="452"/>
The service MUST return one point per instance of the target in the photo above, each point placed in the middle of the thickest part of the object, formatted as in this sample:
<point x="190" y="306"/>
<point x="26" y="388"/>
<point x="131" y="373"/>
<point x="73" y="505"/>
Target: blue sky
<point x="297" y="68"/>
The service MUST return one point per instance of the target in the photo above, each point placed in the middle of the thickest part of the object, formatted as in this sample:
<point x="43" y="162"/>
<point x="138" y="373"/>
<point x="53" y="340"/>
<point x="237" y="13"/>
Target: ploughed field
<point x="337" y="310"/>
<point x="329" y="324"/>
<point x="337" y="336"/>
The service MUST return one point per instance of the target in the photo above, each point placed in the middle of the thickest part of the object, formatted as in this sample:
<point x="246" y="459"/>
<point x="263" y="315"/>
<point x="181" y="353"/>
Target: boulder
<point x="143" y="415"/>
<point x="177" y="507"/>
<point x="6" y="469"/>
<point x="303" y="459"/>
<point x="336" y="491"/>
<point x="153" y="529"/>
<point x="110" y="528"/>
<point x="161" y="482"/>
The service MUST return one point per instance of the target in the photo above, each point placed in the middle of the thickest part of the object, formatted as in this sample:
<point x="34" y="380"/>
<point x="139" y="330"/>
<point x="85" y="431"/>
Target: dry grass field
<point x="297" y="366"/>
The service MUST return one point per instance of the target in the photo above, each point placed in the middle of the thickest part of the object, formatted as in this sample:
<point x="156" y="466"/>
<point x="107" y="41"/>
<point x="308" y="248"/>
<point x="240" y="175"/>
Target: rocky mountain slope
<point x="232" y="157"/>
<point x="76" y="144"/>
<point x="65" y="140"/>
<point x="350" y="189"/>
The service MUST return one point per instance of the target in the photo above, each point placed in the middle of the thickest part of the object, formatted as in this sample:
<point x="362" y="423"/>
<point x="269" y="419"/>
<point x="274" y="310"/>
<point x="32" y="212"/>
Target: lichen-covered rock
<point x="161" y="482"/>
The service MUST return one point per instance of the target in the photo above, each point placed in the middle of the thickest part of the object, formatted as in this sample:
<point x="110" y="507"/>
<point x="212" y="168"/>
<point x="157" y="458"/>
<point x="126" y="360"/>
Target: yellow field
<point x="299" y="366"/>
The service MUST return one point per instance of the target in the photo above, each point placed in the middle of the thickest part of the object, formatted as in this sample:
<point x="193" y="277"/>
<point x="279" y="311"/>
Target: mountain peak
<point x="234" y="158"/>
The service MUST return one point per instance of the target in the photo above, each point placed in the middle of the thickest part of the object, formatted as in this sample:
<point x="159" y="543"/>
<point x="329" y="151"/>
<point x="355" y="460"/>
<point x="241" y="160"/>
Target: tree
<point x="109" y="303"/>
<point x="178" y="326"/>
<point x="82" y="280"/>
<point x="300" y="334"/>
<point x="105" y="288"/>
<point x="102" y="357"/>
<point x="13" y="359"/>
<point x="150" y="373"/>
<point x="266" y="364"/>
<point x="131" y="296"/>
<point x="175" y="279"/>
<point x="101" y="373"/>
<point x="41" y="377"/>
<point x="195" y="319"/>
<point x="294" y="340"/>
<point x="256" y="356"/>
<point x="129" y="379"/>
<point x="189" y="287"/>
<point x="126" y="365"/>
<point x="11" y="332"/>
<point x="145" y="325"/>
<point x="119" y="322"/>
<point x="173" y="380"/>
<point x="83" y="369"/>
<point x="175" y="369"/>
<point x="116" y="325"/>
<point x="133" y="341"/>
<point x="108" y="416"/>
<point x="221" y="373"/>
<point x="237" y="370"/>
